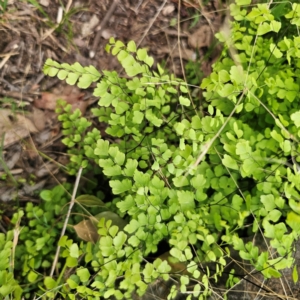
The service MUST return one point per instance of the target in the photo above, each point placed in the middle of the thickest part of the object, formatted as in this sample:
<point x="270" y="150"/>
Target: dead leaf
<point x="81" y="105"/>
<point x="7" y="194"/>
<point x="11" y="157"/>
<point x="38" y="118"/>
<point x="80" y="42"/>
<point x="88" y="28"/>
<point x="107" y="34"/>
<point x="15" y="127"/>
<point x="49" y="100"/>
<point x="44" y="3"/>
<point x="87" y="231"/>
<point x="202" y="37"/>
<point x="46" y="169"/>
<point x="168" y="9"/>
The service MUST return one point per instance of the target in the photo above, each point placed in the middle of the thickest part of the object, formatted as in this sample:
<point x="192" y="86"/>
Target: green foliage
<point x="193" y="71"/>
<point x="153" y="171"/>
<point x="37" y="236"/>
<point x="3" y="6"/>
<point x="176" y="176"/>
<point x="8" y="285"/>
<point x="74" y="128"/>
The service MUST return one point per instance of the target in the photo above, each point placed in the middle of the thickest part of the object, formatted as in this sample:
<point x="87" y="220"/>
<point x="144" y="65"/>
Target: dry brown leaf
<point x="87" y="231"/>
<point x="82" y="105"/>
<point x="45" y="171"/>
<point x="49" y="100"/>
<point x="80" y="42"/>
<point x="15" y="127"/>
<point x="44" y="2"/>
<point x="168" y="9"/>
<point x="88" y="28"/>
<point x="202" y="37"/>
<point x="11" y="157"/>
<point x="38" y="118"/>
<point x="108" y="33"/>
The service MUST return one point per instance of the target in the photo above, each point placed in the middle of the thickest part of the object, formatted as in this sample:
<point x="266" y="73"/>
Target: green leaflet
<point x="188" y="172"/>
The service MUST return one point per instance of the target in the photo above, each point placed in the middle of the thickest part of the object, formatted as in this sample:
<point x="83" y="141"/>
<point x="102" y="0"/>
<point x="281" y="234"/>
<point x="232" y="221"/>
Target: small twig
<point x="6" y="58"/>
<point x="152" y="21"/>
<point x="68" y="5"/>
<point x="136" y="9"/>
<point x="17" y="95"/>
<point x="102" y="24"/>
<point x="66" y="220"/>
<point x="12" y="87"/>
<point x="59" y="19"/>
<point x="204" y="14"/>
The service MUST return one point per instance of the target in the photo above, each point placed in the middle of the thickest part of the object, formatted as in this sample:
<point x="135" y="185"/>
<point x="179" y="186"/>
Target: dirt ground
<point x="32" y="155"/>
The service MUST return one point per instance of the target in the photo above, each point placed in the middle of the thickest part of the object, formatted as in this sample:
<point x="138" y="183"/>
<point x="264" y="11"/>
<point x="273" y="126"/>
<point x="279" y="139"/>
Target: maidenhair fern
<point x="189" y="180"/>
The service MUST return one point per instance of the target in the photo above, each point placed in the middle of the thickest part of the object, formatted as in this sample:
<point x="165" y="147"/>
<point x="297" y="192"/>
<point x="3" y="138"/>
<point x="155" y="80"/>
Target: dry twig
<point x="99" y="32"/>
<point x="66" y="220"/>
